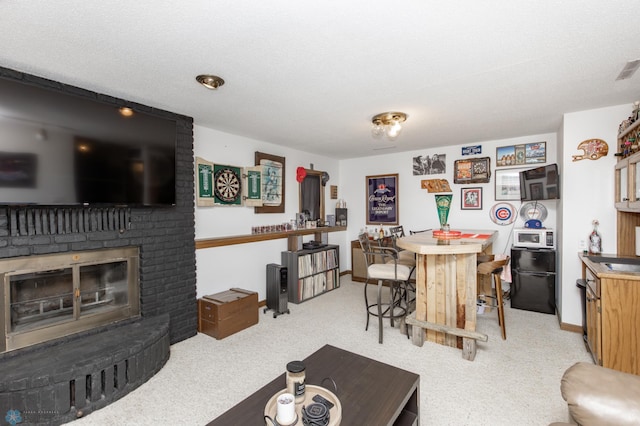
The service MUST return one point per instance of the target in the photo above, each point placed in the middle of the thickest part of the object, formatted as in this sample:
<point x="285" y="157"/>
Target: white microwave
<point x="534" y="238"/>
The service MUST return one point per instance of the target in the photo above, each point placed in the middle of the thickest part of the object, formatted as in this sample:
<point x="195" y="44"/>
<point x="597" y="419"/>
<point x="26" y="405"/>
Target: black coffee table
<point x="371" y="392"/>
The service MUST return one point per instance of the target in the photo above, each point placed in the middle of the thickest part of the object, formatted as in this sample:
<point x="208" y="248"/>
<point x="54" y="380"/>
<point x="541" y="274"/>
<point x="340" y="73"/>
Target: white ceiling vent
<point x="629" y="69"/>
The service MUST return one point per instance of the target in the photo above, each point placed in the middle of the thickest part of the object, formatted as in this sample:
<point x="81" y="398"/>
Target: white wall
<point x="417" y="207"/>
<point x="244" y="265"/>
<point x="588" y="193"/>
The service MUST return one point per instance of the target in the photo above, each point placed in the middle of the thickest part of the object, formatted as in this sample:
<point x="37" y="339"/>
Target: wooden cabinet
<point x="612" y="318"/>
<point x="593" y="318"/>
<point x="627" y="189"/>
<point x="622" y="184"/>
<point x="627" y="171"/>
<point x="358" y="265"/>
<point x="311" y="272"/>
<point x="627" y="178"/>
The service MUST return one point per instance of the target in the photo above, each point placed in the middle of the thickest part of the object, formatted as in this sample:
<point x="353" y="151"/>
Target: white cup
<point x="286" y="409"/>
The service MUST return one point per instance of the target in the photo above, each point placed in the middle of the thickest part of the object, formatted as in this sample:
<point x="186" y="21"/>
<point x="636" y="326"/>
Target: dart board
<point x="227" y="185"/>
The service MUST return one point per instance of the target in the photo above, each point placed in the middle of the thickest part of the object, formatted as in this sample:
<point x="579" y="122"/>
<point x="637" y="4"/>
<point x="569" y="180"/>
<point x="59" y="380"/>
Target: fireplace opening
<point x="49" y="296"/>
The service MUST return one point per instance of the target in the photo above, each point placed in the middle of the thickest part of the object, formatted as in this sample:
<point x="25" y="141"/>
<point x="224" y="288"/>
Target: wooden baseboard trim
<point x="571" y="327"/>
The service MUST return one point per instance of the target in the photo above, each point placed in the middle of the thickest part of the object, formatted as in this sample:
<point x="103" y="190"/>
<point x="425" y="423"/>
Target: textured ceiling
<point x="310" y="75"/>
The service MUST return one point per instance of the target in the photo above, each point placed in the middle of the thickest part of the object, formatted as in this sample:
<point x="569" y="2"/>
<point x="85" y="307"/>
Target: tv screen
<point x="541" y="183"/>
<point x="61" y="149"/>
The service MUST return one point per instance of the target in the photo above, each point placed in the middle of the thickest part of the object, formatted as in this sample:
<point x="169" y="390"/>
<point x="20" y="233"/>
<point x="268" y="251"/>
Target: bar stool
<point x="489" y="266"/>
<point x="389" y="269"/>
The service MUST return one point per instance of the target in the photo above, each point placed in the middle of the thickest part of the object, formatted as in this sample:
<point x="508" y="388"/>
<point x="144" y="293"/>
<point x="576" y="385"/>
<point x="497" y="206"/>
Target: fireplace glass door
<point x="102" y="287"/>
<point x="50" y="296"/>
<point x="41" y="299"/>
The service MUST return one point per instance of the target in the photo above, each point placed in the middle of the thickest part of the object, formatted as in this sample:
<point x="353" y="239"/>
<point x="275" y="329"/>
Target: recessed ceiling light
<point x="210" y="81"/>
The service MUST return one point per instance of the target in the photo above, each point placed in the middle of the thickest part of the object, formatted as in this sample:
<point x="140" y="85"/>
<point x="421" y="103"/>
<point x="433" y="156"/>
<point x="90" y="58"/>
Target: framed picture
<point x="507" y="184"/>
<point x="474" y="170"/>
<point x="272" y="182"/>
<point x="471" y="199"/>
<point x="434" y="165"/>
<point x="519" y="155"/>
<point x="382" y="199"/>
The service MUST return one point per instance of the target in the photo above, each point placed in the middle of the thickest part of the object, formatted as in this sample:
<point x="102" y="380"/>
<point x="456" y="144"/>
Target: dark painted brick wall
<point x="166" y="236"/>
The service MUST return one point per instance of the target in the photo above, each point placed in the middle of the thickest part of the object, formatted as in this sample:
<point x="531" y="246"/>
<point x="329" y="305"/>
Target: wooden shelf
<point x="629" y="129"/>
<point x="292" y="236"/>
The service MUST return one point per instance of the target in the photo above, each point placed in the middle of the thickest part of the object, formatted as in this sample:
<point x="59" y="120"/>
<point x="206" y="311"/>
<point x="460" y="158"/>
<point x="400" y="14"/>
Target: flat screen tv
<point x="58" y="148"/>
<point x="541" y="183"/>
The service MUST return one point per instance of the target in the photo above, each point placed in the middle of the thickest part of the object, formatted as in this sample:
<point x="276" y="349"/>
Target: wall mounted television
<point x="59" y="148"/>
<point x="541" y="183"/>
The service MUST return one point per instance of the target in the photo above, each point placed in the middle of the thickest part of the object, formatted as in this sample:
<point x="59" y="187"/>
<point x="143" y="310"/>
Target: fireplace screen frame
<point x="11" y="267"/>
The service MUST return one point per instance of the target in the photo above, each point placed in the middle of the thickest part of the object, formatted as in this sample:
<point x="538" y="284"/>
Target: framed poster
<point x="471" y="198"/>
<point x="535" y="153"/>
<point x="272" y="182"/>
<point x="507" y="185"/>
<point x="382" y="199"/>
<point x="474" y="170"/>
<point x="519" y="155"/>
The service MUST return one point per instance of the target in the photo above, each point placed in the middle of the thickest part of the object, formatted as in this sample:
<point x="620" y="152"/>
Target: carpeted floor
<point x="511" y="382"/>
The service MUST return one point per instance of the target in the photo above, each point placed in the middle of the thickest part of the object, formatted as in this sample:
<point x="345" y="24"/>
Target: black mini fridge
<point x="533" y="279"/>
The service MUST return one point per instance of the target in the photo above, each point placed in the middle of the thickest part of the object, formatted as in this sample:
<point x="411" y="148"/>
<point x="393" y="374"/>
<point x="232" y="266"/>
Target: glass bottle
<point x="295" y="380"/>
<point x="595" y="241"/>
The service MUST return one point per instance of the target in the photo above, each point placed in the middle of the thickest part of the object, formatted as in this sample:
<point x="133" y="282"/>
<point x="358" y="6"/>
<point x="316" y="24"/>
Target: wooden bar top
<point x="470" y="241"/>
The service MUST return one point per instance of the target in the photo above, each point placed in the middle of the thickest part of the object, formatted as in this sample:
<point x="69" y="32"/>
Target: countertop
<point x="471" y="241"/>
<point x="602" y="271"/>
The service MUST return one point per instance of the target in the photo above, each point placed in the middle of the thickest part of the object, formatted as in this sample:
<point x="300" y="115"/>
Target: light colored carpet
<point x="512" y="382"/>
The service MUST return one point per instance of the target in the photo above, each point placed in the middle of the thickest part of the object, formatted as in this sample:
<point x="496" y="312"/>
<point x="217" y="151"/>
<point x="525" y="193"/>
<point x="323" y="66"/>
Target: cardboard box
<point x="223" y="314"/>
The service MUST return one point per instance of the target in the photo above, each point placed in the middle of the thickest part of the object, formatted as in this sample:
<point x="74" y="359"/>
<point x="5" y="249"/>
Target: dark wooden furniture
<point x="311" y="272"/>
<point x="371" y="392"/>
<point x="222" y="314"/>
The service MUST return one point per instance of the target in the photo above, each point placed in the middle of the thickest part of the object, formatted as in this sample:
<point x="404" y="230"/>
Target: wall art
<point x="272" y="181"/>
<point x="434" y="165"/>
<point x="471" y="198"/>
<point x="592" y="149"/>
<point x="520" y="155"/>
<point x="507" y="184"/>
<point x="382" y="199"/>
<point x="473" y="170"/>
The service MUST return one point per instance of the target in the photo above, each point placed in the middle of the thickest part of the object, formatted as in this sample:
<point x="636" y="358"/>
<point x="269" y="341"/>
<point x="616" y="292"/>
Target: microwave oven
<point x="534" y="238"/>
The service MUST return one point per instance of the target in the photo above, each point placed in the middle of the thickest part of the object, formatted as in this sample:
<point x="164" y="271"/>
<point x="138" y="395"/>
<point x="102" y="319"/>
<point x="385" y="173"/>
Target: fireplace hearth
<point x="59" y="381"/>
<point x="50" y="296"/>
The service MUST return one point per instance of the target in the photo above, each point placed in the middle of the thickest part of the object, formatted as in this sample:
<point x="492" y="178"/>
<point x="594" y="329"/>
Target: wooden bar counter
<point x="446" y="288"/>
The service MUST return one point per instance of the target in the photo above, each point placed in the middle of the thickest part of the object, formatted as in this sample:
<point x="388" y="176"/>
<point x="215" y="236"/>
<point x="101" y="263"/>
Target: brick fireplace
<point x="164" y="238"/>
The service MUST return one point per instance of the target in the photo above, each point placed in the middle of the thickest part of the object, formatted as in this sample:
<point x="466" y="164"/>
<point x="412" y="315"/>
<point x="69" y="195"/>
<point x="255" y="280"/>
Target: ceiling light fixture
<point x="388" y="123"/>
<point x="210" y="81"/>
